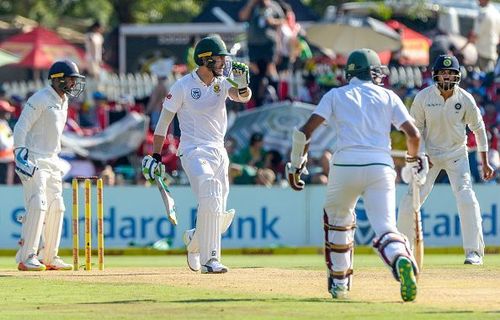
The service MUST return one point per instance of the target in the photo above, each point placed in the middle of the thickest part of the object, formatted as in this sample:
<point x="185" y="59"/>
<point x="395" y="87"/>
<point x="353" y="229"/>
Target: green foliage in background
<point x="52" y="13"/>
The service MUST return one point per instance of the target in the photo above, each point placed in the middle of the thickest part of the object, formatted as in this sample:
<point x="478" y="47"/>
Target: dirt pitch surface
<point x="471" y="288"/>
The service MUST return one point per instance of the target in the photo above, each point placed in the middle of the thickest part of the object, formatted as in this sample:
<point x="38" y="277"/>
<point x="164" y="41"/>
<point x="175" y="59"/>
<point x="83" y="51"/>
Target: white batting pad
<point x="52" y="230"/>
<point x="32" y="227"/>
<point x="208" y="220"/>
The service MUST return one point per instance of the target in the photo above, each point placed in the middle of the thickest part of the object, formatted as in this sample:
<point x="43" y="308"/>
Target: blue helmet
<point x="446" y="62"/>
<point x="66" y="77"/>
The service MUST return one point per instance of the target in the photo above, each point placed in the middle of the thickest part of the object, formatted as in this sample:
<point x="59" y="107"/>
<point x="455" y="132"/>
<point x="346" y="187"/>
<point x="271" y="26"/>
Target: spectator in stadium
<point x="6" y="144"/>
<point x="162" y="69"/>
<point x="264" y="18"/>
<point x="37" y="143"/>
<point x="254" y="154"/>
<point x="93" y="49"/>
<point x="441" y="113"/>
<point x="486" y="35"/>
<point x="361" y="165"/>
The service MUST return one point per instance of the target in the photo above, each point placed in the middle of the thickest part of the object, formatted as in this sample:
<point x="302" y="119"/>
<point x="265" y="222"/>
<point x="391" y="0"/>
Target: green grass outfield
<point x="256" y="287"/>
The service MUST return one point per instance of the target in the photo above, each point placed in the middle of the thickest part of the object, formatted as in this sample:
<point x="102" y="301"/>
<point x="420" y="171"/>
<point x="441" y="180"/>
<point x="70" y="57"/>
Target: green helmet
<point x="364" y="64"/>
<point x="208" y="47"/>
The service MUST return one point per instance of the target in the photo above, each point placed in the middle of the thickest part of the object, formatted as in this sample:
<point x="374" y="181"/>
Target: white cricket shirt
<point x="362" y="114"/>
<point x="41" y="123"/>
<point x="442" y="124"/>
<point x="201" y="110"/>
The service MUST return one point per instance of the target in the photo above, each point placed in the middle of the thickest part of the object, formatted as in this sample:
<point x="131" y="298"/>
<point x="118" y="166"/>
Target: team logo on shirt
<point x="216" y="88"/>
<point x="196" y="93"/>
<point x="169" y="96"/>
<point x="458" y="106"/>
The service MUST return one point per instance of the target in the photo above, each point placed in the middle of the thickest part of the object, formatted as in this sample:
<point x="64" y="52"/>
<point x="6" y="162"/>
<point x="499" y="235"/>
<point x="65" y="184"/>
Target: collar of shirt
<point x="56" y="96"/>
<point x="197" y="78"/>
<point x="356" y="80"/>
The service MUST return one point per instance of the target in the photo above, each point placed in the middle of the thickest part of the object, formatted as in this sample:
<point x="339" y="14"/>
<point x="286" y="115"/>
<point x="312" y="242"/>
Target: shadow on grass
<point x="273" y="300"/>
<point x="121" y="301"/>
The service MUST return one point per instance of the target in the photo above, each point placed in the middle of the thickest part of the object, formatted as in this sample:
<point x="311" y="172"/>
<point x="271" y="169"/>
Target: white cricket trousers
<point x="207" y="171"/>
<point x="376" y="183"/>
<point x="44" y="210"/>
<point x="458" y="171"/>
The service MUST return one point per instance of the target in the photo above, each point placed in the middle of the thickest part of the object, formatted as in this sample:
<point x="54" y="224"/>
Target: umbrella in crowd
<point x="350" y="33"/>
<point x="39" y="48"/>
<point x="7" y="58"/>
<point x="276" y="123"/>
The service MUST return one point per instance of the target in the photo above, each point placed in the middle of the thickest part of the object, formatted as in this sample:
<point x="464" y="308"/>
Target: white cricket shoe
<point x="472" y="257"/>
<point x="31" y="264"/>
<point x="58" y="264"/>
<point x="193" y="258"/>
<point x="213" y="266"/>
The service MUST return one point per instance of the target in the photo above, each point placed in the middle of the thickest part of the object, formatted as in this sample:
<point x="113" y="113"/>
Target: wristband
<point x="157" y="157"/>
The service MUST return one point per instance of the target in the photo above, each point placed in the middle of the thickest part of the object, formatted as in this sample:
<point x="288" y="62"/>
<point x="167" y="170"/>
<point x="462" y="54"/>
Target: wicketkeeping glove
<point x="293" y="175"/>
<point x="415" y="168"/>
<point x="152" y="166"/>
<point x="240" y="75"/>
<point x="25" y="168"/>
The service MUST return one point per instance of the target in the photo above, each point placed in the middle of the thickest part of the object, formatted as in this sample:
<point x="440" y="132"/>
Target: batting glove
<point x="415" y="168"/>
<point x="240" y="76"/>
<point x="152" y="166"/>
<point x="293" y="175"/>
<point x="25" y="168"/>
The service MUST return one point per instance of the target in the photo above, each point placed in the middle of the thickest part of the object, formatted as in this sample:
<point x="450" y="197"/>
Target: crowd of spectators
<point x="283" y="67"/>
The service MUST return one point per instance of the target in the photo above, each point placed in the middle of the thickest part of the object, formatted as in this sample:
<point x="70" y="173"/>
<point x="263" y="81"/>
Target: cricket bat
<point x="167" y="200"/>
<point x="418" y="244"/>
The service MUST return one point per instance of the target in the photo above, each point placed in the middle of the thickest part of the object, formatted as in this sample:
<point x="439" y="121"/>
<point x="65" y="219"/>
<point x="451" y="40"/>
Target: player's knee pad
<point x="392" y="245"/>
<point x="210" y="197"/>
<point x="226" y="218"/>
<point x="339" y="250"/>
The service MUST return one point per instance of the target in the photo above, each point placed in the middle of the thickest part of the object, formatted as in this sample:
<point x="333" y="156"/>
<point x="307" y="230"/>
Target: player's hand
<point x="152" y="167"/>
<point x="240" y="75"/>
<point x="25" y="168"/>
<point x="293" y="175"/>
<point x="415" y="168"/>
<point x="488" y="172"/>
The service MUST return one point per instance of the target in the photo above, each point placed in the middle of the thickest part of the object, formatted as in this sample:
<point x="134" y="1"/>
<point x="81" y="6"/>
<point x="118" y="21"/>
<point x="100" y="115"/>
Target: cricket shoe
<point x="58" y="264"/>
<point x="473" y="258"/>
<point x="213" y="266"/>
<point x="193" y="258"/>
<point x="407" y="279"/>
<point x="339" y="291"/>
<point x="31" y="264"/>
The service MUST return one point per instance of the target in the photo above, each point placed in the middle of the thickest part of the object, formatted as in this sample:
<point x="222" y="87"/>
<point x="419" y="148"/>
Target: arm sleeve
<point x="324" y="109"/>
<point x="164" y="121"/>
<point x="30" y="114"/>
<point x="475" y="122"/>
<point x="173" y="100"/>
<point x="418" y="114"/>
<point x="399" y="112"/>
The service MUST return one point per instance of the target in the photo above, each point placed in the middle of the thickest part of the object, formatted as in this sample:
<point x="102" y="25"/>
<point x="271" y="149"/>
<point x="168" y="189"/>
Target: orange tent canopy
<point x="41" y="47"/>
<point x="415" y="46"/>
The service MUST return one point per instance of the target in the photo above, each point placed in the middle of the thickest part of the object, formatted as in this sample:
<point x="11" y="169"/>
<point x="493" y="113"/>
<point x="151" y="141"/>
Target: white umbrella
<point x="8" y="58"/>
<point x="347" y="34"/>
<point x="276" y="123"/>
